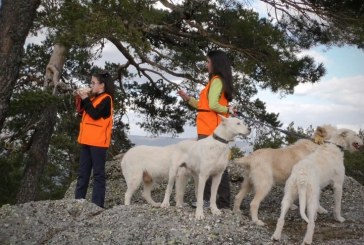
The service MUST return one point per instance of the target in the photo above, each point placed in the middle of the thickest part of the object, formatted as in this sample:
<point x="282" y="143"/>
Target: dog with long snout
<point x="323" y="167"/>
<point x="209" y="157"/>
<point x="266" y="167"/>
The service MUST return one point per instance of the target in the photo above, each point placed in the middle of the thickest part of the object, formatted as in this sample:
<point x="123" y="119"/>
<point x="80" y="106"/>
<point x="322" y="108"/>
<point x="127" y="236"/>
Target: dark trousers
<point x="223" y="192"/>
<point x="92" y="158"/>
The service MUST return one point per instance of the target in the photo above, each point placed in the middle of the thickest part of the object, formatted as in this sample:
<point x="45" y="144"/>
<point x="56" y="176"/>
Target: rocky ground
<point x="70" y="221"/>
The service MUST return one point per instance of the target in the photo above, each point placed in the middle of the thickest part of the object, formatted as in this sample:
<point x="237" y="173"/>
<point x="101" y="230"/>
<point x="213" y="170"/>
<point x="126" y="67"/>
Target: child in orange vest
<point x="214" y="99"/>
<point x="95" y="136"/>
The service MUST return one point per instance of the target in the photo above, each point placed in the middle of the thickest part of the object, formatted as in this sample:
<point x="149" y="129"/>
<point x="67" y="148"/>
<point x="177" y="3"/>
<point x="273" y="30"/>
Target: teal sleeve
<point x="214" y="96"/>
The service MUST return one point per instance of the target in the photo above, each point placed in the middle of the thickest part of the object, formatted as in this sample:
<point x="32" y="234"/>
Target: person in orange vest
<point x="95" y="136"/>
<point x="213" y="100"/>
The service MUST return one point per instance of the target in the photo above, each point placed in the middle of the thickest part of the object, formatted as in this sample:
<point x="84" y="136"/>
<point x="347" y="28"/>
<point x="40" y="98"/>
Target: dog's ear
<point x="319" y="135"/>
<point x="344" y="133"/>
<point x="321" y="131"/>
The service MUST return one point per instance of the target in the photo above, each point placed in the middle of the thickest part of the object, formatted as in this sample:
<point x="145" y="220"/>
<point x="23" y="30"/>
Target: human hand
<point x="183" y="94"/>
<point x="83" y="92"/>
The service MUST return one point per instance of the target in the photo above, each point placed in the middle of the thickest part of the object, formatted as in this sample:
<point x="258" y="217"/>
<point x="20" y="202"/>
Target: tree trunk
<point x="16" y="19"/>
<point x="37" y="156"/>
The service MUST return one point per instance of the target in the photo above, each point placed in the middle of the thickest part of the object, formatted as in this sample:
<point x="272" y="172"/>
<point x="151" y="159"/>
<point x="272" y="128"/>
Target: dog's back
<point x="277" y="162"/>
<point x="152" y="159"/>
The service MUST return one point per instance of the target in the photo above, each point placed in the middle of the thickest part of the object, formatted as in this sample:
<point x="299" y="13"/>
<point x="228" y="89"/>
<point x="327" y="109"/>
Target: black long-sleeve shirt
<point x="103" y="109"/>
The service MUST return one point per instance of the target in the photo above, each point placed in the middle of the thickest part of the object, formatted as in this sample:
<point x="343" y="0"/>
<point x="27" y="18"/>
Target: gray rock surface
<point x="70" y="221"/>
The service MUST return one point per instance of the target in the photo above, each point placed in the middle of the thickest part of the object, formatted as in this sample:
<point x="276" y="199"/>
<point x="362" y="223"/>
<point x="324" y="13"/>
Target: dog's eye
<point x="238" y="123"/>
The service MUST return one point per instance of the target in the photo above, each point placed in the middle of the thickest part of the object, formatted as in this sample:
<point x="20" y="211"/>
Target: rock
<point x="70" y="221"/>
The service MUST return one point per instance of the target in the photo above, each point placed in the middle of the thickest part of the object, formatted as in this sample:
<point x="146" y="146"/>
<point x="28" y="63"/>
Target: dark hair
<point x="221" y="67"/>
<point x="105" y="78"/>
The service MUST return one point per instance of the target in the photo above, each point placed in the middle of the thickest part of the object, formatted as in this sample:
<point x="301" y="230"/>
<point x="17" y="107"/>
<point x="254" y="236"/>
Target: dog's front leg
<point x="338" y="189"/>
<point x="167" y="195"/>
<point x="214" y="186"/>
<point x="199" y="205"/>
<point x="181" y="182"/>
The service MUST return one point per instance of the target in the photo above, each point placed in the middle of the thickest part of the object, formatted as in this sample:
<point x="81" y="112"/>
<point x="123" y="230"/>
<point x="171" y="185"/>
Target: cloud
<point x="336" y="101"/>
<point x="346" y="91"/>
<point x="318" y="56"/>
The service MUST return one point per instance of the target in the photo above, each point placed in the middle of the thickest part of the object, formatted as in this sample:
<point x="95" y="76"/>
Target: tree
<point x="16" y="19"/>
<point x="161" y="46"/>
<point x="320" y="22"/>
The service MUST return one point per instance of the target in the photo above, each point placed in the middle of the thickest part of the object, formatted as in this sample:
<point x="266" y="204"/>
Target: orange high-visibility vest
<point x="207" y="120"/>
<point x="96" y="132"/>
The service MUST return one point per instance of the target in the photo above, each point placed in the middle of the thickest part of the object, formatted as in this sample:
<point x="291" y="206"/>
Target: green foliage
<point x="297" y="133"/>
<point x="314" y="22"/>
<point x="268" y="137"/>
<point x="154" y="100"/>
<point x="236" y="152"/>
<point x="11" y="171"/>
<point x="271" y="139"/>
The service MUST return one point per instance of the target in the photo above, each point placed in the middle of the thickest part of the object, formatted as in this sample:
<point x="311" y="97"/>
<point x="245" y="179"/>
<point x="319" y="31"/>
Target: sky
<point x="335" y="100"/>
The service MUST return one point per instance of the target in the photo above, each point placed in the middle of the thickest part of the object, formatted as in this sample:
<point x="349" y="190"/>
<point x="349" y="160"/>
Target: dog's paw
<point x="259" y="222"/>
<point x="306" y="242"/>
<point x="340" y="219"/>
<point x="156" y="204"/>
<point x="215" y="211"/>
<point x="236" y="211"/>
<point x="199" y="215"/>
<point x="276" y="236"/>
<point x="165" y="205"/>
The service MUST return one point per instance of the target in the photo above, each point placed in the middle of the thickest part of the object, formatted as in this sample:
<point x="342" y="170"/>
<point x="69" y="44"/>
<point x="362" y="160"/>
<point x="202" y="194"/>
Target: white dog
<point x="209" y="157"/>
<point x="151" y="163"/>
<point x="266" y="167"/>
<point x="323" y="167"/>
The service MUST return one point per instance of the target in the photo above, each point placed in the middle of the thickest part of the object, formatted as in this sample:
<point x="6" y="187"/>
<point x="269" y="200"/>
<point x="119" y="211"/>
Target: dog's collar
<point x="338" y="146"/>
<point x="220" y="139"/>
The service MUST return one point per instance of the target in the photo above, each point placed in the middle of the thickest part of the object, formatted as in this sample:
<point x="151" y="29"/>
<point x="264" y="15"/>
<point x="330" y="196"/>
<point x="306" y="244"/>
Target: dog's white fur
<point x="209" y="157"/>
<point x="323" y="167"/>
<point x="150" y="164"/>
<point x="266" y="167"/>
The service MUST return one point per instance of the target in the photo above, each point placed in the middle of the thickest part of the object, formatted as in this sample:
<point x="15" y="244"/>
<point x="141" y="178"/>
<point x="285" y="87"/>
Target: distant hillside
<point x="163" y="141"/>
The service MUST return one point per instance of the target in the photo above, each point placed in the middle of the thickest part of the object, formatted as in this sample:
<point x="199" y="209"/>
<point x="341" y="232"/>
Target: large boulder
<point x="70" y="221"/>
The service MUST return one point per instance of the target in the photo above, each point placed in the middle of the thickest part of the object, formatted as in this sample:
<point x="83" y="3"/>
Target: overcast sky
<point x="336" y="99"/>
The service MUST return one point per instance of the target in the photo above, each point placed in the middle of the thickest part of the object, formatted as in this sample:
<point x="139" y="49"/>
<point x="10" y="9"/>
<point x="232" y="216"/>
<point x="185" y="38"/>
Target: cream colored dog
<point x="149" y="164"/>
<point x="323" y="167"/>
<point x="209" y="157"/>
<point x="266" y="167"/>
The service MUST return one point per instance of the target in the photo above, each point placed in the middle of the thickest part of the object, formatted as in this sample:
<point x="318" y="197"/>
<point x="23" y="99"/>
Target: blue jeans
<point x="92" y="158"/>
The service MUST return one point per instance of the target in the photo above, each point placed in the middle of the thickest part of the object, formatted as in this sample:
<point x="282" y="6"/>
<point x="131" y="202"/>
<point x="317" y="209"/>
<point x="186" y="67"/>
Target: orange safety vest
<point x="96" y="132"/>
<point x="207" y="120"/>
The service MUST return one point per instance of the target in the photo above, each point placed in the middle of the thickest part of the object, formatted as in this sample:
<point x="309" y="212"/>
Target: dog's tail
<point x="302" y="193"/>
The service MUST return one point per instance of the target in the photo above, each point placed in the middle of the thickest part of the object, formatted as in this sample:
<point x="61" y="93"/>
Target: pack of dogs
<point x="305" y="167"/>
